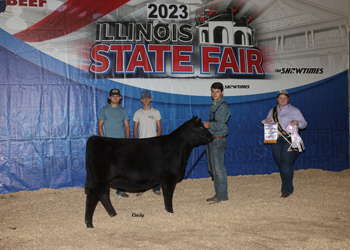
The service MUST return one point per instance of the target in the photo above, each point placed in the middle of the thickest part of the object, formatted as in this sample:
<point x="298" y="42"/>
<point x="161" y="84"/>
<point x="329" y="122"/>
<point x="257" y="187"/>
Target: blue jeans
<point x="285" y="161"/>
<point x="215" y="156"/>
<point x="155" y="188"/>
<point x="120" y="191"/>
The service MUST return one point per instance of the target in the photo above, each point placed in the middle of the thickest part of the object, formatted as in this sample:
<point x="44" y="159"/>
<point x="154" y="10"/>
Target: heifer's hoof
<point x="89" y="225"/>
<point x="170" y="210"/>
<point x="113" y="214"/>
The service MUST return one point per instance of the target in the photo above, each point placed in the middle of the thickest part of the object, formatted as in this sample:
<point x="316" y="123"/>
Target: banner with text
<point x="60" y="59"/>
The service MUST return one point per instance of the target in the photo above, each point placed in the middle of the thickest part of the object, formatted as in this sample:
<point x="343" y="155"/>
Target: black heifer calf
<point x="139" y="164"/>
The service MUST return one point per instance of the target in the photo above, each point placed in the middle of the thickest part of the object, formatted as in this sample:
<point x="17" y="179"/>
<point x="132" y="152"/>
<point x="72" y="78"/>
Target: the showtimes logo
<point x="237" y="86"/>
<point x="299" y="71"/>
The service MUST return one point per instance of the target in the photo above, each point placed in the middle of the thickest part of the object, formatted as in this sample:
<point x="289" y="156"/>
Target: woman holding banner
<point x="284" y="114"/>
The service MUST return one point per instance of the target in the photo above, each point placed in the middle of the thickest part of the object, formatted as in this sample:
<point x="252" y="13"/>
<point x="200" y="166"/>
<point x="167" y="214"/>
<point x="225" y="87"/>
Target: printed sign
<point x="60" y="59"/>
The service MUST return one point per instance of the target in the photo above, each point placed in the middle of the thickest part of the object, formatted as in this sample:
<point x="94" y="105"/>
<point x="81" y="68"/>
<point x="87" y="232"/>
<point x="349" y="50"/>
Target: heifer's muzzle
<point x="204" y="133"/>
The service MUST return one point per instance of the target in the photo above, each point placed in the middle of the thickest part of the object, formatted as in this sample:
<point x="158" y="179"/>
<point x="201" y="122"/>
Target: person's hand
<point x="294" y="123"/>
<point x="206" y="124"/>
<point x="267" y="120"/>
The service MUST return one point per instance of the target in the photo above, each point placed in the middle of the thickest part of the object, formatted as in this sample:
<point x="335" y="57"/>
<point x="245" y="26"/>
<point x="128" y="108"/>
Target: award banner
<point x="270" y="132"/>
<point x="60" y="59"/>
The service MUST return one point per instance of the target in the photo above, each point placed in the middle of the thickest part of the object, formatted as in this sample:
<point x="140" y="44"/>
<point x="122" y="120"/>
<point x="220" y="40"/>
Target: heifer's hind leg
<point x="91" y="203"/>
<point x="106" y="202"/>
<point x="168" y="188"/>
<point x="92" y="197"/>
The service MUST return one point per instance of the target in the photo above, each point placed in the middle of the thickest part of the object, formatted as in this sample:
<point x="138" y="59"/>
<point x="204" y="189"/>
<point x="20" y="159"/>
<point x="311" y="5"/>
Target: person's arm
<point x="222" y="116"/>
<point x="268" y="119"/>
<point x="206" y="124"/>
<point x="100" y="128"/>
<point x="127" y="128"/>
<point x="136" y="124"/>
<point x="159" y="127"/>
<point x="299" y="120"/>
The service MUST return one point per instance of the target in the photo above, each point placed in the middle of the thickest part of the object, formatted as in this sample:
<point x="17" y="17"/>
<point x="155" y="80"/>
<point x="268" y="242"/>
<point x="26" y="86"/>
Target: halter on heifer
<point x="202" y="128"/>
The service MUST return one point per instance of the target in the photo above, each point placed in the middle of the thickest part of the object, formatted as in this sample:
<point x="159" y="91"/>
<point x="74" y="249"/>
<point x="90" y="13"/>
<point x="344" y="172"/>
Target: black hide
<point x="137" y="164"/>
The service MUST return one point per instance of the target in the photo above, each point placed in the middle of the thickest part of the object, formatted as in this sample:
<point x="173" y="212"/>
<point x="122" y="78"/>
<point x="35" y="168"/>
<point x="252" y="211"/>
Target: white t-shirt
<point x="147" y="120"/>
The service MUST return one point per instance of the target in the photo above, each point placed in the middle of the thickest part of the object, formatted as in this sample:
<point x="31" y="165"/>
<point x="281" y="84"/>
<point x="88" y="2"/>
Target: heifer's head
<point x="199" y="135"/>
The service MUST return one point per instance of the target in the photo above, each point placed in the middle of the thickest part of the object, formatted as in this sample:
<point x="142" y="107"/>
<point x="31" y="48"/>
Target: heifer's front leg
<point x="168" y="188"/>
<point x="106" y="202"/>
<point x="92" y="198"/>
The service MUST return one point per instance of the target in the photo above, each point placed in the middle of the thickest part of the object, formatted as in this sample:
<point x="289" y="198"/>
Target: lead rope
<point x="194" y="165"/>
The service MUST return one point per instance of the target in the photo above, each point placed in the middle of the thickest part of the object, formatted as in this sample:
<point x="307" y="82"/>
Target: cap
<point x="114" y="92"/>
<point x="283" y="92"/>
<point x="145" y="93"/>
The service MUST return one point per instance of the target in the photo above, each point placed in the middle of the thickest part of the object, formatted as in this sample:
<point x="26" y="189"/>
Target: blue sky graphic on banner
<point x="61" y="58"/>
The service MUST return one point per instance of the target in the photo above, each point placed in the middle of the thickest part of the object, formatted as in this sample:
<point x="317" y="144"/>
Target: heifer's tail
<point x="88" y="183"/>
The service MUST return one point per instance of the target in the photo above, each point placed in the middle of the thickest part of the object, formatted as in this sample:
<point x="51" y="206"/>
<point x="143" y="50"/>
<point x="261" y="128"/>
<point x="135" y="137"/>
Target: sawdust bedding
<point x="316" y="216"/>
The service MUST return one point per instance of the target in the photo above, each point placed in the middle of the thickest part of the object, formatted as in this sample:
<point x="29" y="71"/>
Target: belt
<point x="219" y="136"/>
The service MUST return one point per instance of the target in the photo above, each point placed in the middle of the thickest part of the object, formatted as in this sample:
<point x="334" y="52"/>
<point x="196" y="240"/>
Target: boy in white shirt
<point x="148" y="122"/>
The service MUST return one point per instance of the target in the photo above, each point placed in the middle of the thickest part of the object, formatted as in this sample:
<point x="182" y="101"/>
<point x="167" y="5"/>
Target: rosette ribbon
<point x="297" y="142"/>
